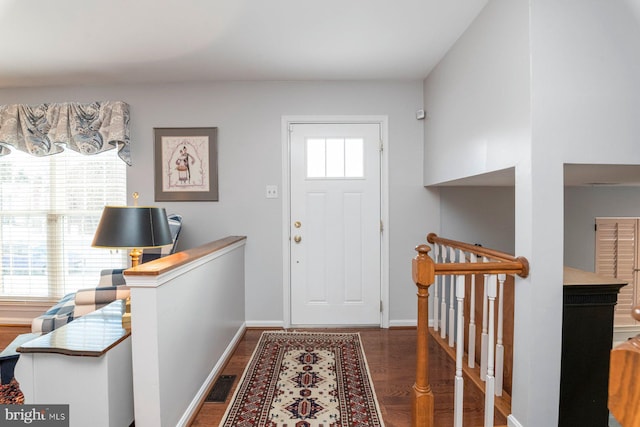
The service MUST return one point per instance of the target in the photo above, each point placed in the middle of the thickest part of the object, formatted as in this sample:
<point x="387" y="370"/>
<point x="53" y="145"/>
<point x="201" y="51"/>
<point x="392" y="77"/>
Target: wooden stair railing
<point x="495" y="266"/>
<point x="624" y="380"/>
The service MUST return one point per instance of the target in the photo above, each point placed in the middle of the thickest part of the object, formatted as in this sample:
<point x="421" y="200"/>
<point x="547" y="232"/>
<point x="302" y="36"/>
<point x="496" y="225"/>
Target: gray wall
<point x="248" y="116"/>
<point x="482" y="215"/>
<point x="581" y="206"/>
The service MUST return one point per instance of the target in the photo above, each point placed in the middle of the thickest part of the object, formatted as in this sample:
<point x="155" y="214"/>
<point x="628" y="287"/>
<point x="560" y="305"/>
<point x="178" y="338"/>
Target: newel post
<point x="423" y="270"/>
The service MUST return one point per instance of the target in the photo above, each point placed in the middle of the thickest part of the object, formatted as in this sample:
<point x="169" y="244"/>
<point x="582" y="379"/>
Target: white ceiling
<point x="601" y="175"/>
<point x="65" y="42"/>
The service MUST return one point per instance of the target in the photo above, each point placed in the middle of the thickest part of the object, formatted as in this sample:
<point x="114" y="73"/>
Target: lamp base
<point x="135" y="257"/>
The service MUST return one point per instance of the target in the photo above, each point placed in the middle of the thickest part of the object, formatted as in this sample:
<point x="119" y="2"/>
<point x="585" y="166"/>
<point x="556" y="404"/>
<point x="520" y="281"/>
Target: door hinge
<point x="290" y="128"/>
<point x="381" y="226"/>
<point x="381" y="146"/>
<point x="380" y="306"/>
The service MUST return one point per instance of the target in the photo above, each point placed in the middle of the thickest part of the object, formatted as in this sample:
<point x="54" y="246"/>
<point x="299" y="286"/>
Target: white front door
<point x="335" y="217"/>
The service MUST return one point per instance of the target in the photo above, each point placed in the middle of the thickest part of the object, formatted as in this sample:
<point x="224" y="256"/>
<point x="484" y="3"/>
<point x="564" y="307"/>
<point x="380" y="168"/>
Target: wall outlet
<point x="272" y="192"/>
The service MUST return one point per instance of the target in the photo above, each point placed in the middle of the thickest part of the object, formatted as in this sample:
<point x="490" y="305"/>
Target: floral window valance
<point x="46" y="129"/>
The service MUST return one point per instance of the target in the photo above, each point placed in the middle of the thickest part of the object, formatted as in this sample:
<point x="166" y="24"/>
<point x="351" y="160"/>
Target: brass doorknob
<point x="297" y="239"/>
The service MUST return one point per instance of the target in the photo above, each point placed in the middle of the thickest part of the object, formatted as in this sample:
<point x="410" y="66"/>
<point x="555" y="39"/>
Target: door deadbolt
<point x="297" y="239"/>
<point x="297" y="224"/>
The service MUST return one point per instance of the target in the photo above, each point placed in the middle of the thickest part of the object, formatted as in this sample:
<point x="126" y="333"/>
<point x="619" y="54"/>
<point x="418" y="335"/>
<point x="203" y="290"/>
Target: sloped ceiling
<point x="80" y="42"/>
<point x="72" y="42"/>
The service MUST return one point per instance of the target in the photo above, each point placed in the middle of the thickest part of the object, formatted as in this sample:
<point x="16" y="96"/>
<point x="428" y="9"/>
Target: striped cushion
<point x="58" y="315"/>
<point x="88" y="300"/>
<point x="111" y="277"/>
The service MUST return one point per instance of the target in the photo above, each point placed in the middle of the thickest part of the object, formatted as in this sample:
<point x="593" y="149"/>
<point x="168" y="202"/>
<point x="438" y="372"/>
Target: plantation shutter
<point x="616" y="256"/>
<point x="49" y="210"/>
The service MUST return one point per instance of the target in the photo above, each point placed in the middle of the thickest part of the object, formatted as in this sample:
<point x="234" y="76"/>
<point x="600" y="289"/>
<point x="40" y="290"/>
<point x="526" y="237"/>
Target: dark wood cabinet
<point x="587" y="334"/>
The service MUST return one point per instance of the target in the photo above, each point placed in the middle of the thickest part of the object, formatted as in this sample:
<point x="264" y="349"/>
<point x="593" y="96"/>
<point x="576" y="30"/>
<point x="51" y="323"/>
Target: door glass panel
<point x="315" y="158"/>
<point x="335" y="158"/>
<point x="353" y="158"/>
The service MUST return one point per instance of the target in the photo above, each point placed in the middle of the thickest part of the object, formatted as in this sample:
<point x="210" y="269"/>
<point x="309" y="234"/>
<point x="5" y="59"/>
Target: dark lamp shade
<point x="132" y="227"/>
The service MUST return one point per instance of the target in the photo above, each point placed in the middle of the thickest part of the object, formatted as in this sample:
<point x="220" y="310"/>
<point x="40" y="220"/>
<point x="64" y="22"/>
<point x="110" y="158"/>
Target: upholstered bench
<point x="58" y="315"/>
<point x="111" y="287"/>
<point x="9" y="356"/>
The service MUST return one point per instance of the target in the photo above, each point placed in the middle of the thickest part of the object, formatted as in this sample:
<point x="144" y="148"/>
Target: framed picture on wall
<point x="186" y="164"/>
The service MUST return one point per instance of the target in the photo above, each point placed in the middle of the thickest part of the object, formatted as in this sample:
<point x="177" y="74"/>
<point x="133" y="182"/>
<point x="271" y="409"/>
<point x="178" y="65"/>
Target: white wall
<point x="477" y="98"/>
<point x="478" y="101"/>
<point x="586" y="60"/>
<point x="579" y="61"/>
<point x="190" y="317"/>
<point x="584" y="100"/>
<point x="248" y="117"/>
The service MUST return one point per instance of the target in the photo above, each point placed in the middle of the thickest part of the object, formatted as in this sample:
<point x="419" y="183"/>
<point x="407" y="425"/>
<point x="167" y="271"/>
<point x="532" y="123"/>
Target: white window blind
<point x="617" y="256"/>
<point x="49" y="210"/>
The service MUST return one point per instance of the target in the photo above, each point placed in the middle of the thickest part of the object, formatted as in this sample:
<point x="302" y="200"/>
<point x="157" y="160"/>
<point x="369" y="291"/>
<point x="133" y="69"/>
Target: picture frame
<point x="186" y="164"/>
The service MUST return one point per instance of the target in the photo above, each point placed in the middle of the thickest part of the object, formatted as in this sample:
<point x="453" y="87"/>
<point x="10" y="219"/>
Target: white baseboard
<point x="408" y="323"/>
<point x="22" y="312"/>
<point x="267" y="324"/>
<point x="513" y="422"/>
<point x="194" y="406"/>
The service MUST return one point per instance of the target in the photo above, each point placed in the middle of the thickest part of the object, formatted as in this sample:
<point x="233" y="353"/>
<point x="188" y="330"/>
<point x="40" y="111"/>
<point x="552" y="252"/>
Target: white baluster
<point x="484" y="335"/>
<point x="436" y="298"/>
<point x="452" y="308"/>
<point x="443" y="301"/>
<point x="471" y="360"/>
<point x="490" y="380"/>
<point x="459" y="381"/>
<point x="499" y="345"/>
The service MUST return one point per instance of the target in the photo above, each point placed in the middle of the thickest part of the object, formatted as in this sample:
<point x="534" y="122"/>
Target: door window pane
<point x="353" y="155"/>
<point x="315" y="158"/>
<point x="335" y="158"/>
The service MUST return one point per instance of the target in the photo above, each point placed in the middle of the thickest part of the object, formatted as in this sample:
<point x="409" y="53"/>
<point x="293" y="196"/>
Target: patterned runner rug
<point x="305" y="379"/>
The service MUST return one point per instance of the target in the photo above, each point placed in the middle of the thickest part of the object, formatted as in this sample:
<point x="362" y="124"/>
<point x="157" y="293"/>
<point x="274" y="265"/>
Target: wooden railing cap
<point x="525" y="266"/>
<point x="423" y="249"/>
<point x="512" y="264"/>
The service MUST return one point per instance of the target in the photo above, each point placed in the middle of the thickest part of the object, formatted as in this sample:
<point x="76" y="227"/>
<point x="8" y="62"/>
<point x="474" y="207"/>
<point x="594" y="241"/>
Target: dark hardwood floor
<point x="391" y="358"/>
<point x="8" y="333"/>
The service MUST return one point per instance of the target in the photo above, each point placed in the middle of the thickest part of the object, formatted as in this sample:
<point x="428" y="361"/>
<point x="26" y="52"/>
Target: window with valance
<point x="60" y="164"/>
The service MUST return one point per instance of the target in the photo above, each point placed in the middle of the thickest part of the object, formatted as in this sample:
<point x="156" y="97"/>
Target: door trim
<point x="286" y="204"/>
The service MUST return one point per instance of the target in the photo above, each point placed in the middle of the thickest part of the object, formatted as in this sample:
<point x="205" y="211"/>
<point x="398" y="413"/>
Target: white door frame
<point x="286" y="205"/>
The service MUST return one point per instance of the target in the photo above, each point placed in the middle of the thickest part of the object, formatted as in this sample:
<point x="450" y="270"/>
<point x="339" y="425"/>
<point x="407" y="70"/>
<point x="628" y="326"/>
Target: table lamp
<point x="135" y="227"/>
